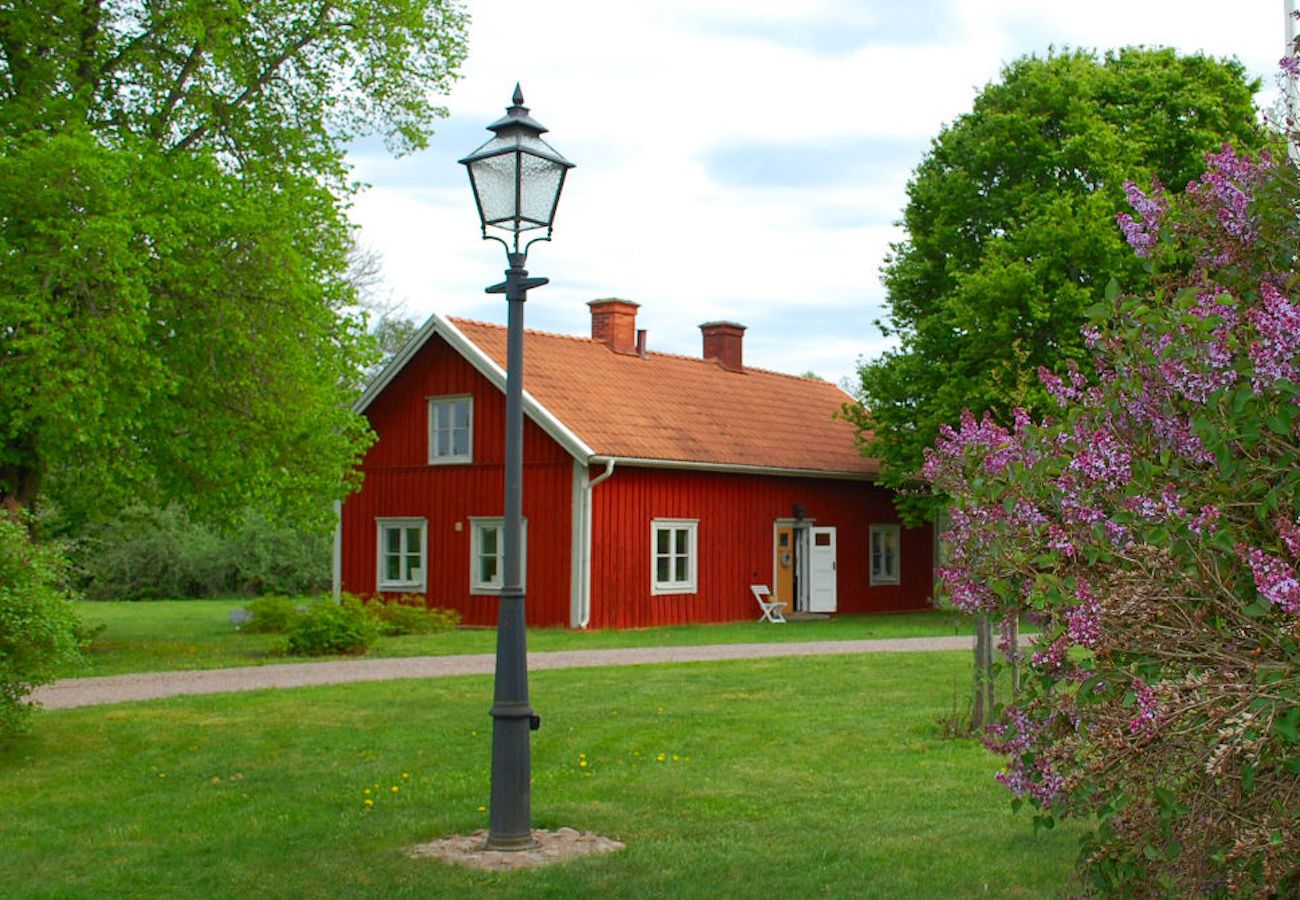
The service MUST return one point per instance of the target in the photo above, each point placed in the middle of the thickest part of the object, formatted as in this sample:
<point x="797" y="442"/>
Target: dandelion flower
<point x="676" y="757"/>
<point x="370" y="803"/>
<point x="366" y="791"/>
<point x="582" y="764"/>
<point x="482" y="809"/>
<point x="395" y="789"/>
<point x="406" y="775"/>
<point x="660" y="757"/>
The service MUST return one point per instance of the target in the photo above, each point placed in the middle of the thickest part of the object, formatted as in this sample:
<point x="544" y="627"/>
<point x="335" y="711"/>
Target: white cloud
<point x="644" y="94"/>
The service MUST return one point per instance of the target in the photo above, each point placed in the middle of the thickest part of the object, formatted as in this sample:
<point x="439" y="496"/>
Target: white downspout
<point x="584" y="599"/>
<point x="338" y="551"/>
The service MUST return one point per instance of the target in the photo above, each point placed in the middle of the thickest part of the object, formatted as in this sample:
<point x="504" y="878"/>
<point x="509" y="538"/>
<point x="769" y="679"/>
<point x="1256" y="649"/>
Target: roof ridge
<point x="663" y="353"/>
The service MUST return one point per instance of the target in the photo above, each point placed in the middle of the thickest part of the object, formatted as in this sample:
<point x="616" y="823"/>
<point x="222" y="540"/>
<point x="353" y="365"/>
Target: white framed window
<point x="451" y="430"/>
<point x="673" y="558"/>
<point x="401" y="556"/>
<point x="487" y="554"/>
<point x="885" y="544"/>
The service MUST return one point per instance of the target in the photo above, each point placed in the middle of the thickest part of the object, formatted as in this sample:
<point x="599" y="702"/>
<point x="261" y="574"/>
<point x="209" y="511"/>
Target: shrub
<point x="149" y="553"/>
<point x="39" y="629"/>
<point x="398" y="618"/>
<point x="1153" y="530"/>
<point x="271" y="615"/>
<point x="328" y="628"/>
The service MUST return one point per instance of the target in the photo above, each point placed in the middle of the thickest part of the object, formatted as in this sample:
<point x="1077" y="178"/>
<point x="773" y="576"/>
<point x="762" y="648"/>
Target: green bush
<point x="327" y="628"/>
<point x="271" y="615"/>
<point x="398" y="618"/>
<point x="39" y="630"/>
<point x="149" y="553"/>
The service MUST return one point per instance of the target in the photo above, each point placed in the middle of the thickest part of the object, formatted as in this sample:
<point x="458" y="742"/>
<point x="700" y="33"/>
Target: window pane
<point x="460" y="414"/>
<point x="413" y="540"/>
<point x="392" y="568"/>
<point x="460" y="442"/>
<point x="681" y="569"/>
<point x="661" y="570"/>
<point x="487" y="569"/>
<point x="663" y="540"/>
<point x="444" y="443"/>
<point x="682" y="540"/>
<point x="393" y="540"/>
<point x="487" y="540"/>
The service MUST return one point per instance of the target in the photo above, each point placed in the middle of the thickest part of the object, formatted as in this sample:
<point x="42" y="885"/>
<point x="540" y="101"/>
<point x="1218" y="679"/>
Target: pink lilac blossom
<point x="965" y="594"/>
<point x="1226" y="186"/>
<point x="1146" y="720"/>
<point x="1289" y="531"/>
<point x="1290" y="65"/>
<point x="1206" y="522"/>
<point x="1053" y="657"/>
<point x="1274" y="578"/>
<point x="1083" y="621"/>
<point x="1275" y="353"/>
<point x="1142" y="235"/>
<point x="1101" y="458"/>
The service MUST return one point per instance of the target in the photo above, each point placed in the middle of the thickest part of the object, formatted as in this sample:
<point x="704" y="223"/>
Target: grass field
<point x="763" y="778"/>
<point x="197" y="634"/>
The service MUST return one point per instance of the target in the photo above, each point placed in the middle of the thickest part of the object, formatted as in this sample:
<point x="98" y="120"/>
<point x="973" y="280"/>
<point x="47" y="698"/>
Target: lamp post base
<point x="511" y="842"/>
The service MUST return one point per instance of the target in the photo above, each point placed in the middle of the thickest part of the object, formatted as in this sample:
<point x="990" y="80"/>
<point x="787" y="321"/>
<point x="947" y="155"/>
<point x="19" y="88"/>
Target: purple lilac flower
<point x="967" y="595"/>
<point x="1290" y="65"/>
<point x="1289" y="531"/>
<point x="1142" y="235"/>
<point x="1146" y="721"/>
<point x="1083" y="621"/>
<point x="1101" y="458"/>
<point x="1053" y="657"/>
<point x="1274" y="579"/>
<point x="1274" y="354"/>
<point x="1206" y="521"/>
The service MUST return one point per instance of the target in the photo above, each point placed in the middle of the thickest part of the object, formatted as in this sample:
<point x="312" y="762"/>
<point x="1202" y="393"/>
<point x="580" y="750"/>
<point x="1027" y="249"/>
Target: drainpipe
<point x="584" y="600"/>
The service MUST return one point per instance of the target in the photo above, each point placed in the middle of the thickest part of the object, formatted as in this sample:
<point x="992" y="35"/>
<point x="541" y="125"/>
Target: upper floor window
<point x="884" y="554"/>
<point x="401" y="558"/>
<point x="451" y="429"/>
<point x="673" y="558"/>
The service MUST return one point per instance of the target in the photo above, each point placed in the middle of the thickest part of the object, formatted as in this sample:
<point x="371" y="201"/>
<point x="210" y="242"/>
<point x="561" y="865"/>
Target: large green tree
<point x="176" y="317"/>
<point x="1011" y="232"/>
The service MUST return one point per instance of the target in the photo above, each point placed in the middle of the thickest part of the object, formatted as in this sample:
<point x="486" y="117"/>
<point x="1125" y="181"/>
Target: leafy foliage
<point x="176" y="309"/>
<point x="400" y="618"/>
<point x="1011" y="233"/>
<point x="271" y="615"/>
<point x="149" y="553"/>
<point x="39" y="629"/>
<point x="328" y="628"/>
<point x="1153" y="529"/>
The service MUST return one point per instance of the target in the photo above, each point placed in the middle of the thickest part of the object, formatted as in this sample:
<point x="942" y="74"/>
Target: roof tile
<point x="679" y="409"/>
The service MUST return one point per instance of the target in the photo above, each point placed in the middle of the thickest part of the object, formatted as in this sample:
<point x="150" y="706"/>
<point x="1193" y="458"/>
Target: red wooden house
<point x="657" y="487"/>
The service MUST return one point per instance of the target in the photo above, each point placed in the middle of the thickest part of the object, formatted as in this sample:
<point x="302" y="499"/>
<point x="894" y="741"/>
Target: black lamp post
<point x="517" y="178"/>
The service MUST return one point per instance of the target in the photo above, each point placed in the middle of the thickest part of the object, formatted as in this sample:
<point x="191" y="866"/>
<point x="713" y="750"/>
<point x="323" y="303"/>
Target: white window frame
<point x="476" y="526"/>
<point x="382" y="527"/>
<point x="886" y="577"/>
<point x="674" y="586"/>
<point x="449" y="402"/>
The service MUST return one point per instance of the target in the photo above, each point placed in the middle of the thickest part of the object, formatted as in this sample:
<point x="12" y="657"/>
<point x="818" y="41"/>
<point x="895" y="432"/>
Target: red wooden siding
<point x="736" y="515"/>
<point x="399" y="482"/>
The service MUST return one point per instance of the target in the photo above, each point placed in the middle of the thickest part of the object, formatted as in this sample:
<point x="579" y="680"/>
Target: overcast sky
<point x="736" y="159"/>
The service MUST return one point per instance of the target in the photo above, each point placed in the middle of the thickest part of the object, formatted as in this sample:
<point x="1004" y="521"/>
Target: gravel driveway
<point x="73" y="692"/>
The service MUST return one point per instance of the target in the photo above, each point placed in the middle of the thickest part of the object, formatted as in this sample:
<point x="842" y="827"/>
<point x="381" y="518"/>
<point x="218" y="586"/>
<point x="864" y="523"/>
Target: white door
<point x="821" y="570"/>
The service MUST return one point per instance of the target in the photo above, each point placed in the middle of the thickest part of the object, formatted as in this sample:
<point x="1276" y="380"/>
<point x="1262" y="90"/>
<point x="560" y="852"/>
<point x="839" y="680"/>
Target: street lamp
<point x="516" y="178"/>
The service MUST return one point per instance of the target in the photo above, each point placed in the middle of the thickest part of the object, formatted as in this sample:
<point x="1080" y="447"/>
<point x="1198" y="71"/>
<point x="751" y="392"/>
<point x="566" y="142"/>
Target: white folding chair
<point x="771" y="608"/>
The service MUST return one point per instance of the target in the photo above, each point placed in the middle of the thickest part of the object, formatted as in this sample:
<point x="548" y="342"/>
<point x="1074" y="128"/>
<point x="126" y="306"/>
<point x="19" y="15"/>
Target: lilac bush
<point x="1152" y="530"/>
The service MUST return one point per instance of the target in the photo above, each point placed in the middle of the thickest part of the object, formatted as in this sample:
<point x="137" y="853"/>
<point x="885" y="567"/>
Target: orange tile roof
<point x="678" y="409"/>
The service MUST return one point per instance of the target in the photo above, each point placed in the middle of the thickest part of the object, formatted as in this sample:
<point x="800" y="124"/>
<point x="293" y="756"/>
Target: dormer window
<point x="451" y="430"/>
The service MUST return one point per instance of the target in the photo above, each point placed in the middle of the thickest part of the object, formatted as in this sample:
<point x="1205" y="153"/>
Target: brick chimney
<point x="724" y="343"/>
<point x="613" y="322"/>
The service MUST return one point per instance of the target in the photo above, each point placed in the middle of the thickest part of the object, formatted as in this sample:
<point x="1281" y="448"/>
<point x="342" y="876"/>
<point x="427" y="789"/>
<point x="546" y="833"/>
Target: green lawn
<point x="197" y="634"/>
<point x="764" y="778"/>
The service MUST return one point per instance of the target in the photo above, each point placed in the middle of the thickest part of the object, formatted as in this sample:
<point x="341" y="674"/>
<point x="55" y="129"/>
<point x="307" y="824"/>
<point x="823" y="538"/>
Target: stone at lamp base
<point x="560" y="845"/>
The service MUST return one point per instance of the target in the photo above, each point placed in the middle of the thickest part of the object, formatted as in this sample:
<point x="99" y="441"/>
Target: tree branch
<point x="255" y="88"/>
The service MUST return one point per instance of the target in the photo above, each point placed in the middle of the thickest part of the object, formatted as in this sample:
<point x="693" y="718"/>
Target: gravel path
<point x="73" y="692"/>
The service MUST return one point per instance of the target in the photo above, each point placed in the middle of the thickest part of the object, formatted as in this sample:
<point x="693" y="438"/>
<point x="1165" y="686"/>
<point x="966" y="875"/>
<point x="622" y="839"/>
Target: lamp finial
<point x="518" y="98"/>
